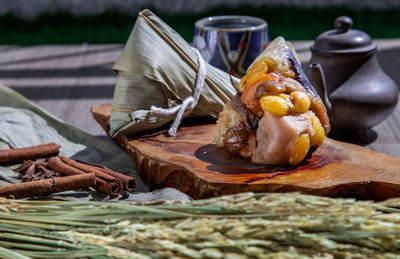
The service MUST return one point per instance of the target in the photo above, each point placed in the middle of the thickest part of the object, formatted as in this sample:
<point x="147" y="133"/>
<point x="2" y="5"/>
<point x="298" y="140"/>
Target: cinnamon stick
<point x="107" y="186"/>
<point x="129" y="183"/>
<point x="54" y="163"/>
<point x="87" y="168"/>
<point x="47" y="186"/>
<point x="19" y="154"/>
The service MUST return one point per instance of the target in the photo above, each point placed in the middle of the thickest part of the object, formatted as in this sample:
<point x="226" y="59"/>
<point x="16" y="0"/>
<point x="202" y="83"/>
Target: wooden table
<point x="67" y="80"/>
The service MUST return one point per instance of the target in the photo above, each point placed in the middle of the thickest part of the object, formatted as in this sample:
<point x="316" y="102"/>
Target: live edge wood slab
<point x="191" y="163"/>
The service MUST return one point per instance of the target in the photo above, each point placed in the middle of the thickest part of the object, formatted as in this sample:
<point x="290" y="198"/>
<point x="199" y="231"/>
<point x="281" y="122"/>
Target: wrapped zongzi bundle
<point x="161" y="77"/>
<point x="277" y="116"/>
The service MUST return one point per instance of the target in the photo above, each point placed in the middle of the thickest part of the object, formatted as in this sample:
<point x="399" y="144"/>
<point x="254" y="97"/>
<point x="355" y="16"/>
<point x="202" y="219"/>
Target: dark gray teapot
<point x="345" y="72"/>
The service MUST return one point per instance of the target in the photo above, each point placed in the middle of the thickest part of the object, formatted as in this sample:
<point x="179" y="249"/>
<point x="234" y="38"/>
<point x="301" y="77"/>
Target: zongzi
<point x="277" y="116"/>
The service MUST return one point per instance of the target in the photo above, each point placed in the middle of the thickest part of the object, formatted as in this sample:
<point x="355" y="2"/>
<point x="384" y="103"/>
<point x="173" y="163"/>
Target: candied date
<point x="235" y="138"/>
<point x="269" y="87"/>
<point x="250" y="120"/>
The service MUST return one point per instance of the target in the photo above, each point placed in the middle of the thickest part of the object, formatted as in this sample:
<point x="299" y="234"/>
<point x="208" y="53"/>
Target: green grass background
<point x="112" y="27"/>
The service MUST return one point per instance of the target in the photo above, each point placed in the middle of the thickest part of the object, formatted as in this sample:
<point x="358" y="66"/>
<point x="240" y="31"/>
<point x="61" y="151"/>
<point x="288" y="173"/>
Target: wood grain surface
<point x="191" y="163"/>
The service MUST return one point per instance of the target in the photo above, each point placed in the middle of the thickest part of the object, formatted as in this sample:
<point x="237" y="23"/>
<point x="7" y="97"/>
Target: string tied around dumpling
<point x="189" y="103"/>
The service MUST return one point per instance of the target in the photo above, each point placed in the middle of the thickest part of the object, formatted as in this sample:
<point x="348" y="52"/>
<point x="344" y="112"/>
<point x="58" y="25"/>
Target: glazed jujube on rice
<point x="276" y="116"/>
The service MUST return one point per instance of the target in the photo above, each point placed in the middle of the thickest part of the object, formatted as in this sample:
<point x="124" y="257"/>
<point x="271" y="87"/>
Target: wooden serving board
<point x="191" y="163"/>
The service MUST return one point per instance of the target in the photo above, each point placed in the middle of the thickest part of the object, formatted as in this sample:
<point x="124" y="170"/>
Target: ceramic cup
<point x="231" y="42"/>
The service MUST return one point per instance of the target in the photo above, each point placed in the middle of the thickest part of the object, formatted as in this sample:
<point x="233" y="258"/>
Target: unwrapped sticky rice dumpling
<point x="276" y="116"/>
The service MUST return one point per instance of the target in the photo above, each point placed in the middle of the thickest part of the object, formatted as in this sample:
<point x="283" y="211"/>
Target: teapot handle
<point x="318" y="81"/>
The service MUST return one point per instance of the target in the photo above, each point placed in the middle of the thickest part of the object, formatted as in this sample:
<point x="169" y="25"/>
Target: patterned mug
<point x="231" y="42"/>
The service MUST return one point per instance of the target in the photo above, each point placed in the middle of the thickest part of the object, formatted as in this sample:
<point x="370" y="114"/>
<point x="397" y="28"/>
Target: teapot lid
<point x="343" y="40"/>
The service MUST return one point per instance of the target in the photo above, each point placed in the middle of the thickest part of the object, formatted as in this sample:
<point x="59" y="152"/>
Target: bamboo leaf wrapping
<point x="151" y="71"/>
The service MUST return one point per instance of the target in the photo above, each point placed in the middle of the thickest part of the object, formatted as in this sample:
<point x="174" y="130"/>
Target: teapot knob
<point x="343" y="23"/>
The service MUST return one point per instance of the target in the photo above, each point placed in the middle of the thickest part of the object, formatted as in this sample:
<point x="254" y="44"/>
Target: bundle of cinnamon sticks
<point x="59" y="173"/>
